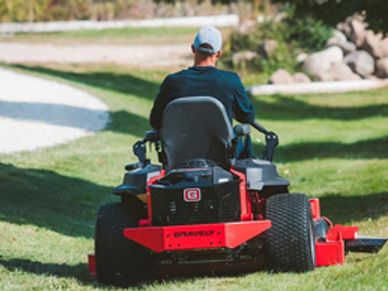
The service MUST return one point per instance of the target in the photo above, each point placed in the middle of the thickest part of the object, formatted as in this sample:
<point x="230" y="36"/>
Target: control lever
<point x="271" y="141"/>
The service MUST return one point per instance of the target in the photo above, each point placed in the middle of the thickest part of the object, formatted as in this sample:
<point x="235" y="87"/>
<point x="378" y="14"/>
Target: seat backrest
<point x="196" y="128"/>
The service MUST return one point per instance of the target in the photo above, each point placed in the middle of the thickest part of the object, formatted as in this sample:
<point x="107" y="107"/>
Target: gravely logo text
<point x="194" y="233"/>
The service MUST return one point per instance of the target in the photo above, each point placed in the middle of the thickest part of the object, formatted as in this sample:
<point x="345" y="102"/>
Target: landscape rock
<point x="317" y="64"/>
<point x="244" y="56"/>
<point x="281" y="76"/>
<point x="268" y="48"/>
<point x="382" y="68"/>
<point x="339" y="39"/>
<point x="342" y="72"/>
<point x="358" y="32"/>
<point x="347" y="47"/>
<point x="301" y="57"/>
<point x="246" y="25"/>
<point x="384" y="47"/>
<point x="301" y="78"/>
<point x="373" y="44"/>
<point x="361" y="63"/>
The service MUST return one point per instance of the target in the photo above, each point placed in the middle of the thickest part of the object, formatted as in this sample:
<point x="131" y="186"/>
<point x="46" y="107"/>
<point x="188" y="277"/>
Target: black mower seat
<point x="196" y="128"/>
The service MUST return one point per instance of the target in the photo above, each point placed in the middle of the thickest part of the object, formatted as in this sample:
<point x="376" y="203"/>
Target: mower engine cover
<point x="196" y="192"/>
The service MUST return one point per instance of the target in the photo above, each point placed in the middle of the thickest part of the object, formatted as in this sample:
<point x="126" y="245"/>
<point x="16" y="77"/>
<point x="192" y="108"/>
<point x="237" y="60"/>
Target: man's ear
<point x="218" y="54"/>
<point x="193" y="49"/>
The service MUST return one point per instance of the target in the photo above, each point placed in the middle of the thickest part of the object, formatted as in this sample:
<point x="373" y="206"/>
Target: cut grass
<point x="152" y="36"/>
<point x="333" y="147"/>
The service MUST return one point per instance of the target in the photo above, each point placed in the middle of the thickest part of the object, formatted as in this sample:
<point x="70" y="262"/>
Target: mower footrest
<point x="199" y="236"/>
<point x="365" y="244"/>
<point x="332" y="250"/>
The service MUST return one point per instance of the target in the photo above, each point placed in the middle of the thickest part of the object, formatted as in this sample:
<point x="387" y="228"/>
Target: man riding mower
<point x="202" y="210"/>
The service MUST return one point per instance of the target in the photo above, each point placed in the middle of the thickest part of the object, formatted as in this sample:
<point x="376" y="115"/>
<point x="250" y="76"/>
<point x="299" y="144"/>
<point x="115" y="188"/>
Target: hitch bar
<point x="365" y="244"/>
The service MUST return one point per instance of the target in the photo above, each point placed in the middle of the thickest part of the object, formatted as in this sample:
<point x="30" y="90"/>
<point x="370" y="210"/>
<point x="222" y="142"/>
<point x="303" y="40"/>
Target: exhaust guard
<point x="198" y="236"/>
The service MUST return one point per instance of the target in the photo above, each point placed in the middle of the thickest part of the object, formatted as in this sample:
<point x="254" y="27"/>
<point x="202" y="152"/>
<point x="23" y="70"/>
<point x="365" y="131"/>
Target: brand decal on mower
<point x="194" y="233"/>
<point x="192" y="195"/>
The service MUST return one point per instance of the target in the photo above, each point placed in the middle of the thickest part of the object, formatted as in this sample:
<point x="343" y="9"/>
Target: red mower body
<point x="205" y="210"/>
<point x="230" y="235"/>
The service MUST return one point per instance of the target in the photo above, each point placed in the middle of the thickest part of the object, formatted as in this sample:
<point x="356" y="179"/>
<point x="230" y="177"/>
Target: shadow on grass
<point x="55" y="114"/>
<point x="365" y="149"/>
<point x="128" y="123"/>
<point x="288" y="108"/>
<point x="345" y="209"/>
<point x="116" y="82"/>
<point x="78" y="272"/>
<point x="49" y="200"/>
<point x="81" y="274"/>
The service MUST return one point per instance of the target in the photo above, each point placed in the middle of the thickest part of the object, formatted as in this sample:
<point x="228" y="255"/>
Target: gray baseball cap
<point x="208" y="35"/>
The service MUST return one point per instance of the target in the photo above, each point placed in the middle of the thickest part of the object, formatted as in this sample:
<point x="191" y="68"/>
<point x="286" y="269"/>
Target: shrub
<point x="292" y="36"/>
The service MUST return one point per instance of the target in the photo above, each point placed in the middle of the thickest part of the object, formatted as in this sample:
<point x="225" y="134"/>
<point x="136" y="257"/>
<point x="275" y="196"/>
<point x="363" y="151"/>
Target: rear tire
<point x="119" y="261"/>
<point x="290" y="245"/>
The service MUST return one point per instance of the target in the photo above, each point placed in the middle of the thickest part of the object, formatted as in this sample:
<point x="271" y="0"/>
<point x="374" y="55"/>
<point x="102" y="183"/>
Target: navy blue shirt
<point x="204" y="81"/>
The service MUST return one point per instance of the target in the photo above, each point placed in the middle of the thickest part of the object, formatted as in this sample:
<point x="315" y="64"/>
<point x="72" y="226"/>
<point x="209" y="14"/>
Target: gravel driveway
<point x="136" y="55"/>
<point x="36" y="113"/>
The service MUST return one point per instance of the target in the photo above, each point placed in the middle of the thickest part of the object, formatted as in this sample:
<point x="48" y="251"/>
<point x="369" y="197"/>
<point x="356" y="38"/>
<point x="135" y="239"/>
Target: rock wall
<point x="352" y="53"/>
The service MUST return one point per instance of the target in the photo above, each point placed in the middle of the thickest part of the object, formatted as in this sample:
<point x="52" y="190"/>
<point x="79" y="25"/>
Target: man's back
<point x="204" y="81"/>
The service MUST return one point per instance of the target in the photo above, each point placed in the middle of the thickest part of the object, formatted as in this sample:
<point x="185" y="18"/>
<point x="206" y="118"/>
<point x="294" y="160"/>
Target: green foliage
<point x="334" y="11"/>
<point x="292" y="36"/>
<point x="308" y="33"/>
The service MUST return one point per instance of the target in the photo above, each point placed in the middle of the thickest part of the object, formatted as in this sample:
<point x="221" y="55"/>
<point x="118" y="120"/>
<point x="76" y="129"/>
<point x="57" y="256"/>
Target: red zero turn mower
<point x="205" y="211"/>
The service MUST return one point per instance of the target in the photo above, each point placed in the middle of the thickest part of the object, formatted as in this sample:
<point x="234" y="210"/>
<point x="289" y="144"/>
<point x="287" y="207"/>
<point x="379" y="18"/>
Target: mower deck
<point x="199" y="236"/>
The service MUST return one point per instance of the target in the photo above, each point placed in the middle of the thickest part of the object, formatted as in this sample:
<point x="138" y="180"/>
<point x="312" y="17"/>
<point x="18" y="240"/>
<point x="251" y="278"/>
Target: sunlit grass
<point x="332" y="146"/>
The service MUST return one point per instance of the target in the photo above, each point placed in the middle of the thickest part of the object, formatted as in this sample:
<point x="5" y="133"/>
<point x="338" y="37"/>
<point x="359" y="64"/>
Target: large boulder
<point x="281" y="76"/>
<point x="384" y="47"/>
<point x="301" y="78"/>
<point x="382" y="68"/>
<point x="317" y="64"/>
<point x="358" y="32"/>
<point x="361" y="63"/>
<point x="339" y="39"/>
<point x="373" y="44"/>
<point x="240" y="58"/>
<point x="342" y="72"/>
<point x="354" y="29"/>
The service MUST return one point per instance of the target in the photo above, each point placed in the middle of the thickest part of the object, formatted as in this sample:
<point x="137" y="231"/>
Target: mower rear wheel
<point x="119" y="261"/>
<point x="290" y="244"/>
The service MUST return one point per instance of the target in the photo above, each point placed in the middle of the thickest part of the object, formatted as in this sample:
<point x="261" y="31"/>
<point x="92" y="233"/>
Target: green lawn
<point x="163" y="35"/>
<point x="334" y="147"/>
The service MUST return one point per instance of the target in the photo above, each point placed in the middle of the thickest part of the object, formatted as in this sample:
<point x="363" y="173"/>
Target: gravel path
<point x="36" y="113"/>
<point x="136" y="55"/>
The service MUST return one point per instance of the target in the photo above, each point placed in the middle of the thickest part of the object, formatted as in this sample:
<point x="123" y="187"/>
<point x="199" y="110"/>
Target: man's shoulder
<point x="177" y="75"/>
<point x="229" y="77"/>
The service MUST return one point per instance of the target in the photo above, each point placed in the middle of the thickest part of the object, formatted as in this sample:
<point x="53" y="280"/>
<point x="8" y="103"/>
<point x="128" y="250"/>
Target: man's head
<point x="207" y="46"/>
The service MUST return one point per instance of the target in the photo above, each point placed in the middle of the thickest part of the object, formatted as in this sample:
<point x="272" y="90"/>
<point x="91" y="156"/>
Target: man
<point x="204" y="79"/>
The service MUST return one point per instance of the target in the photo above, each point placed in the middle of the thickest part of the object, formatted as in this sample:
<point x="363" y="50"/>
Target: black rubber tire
<point x="290" y="245"/>
<point x="119" y="261"/>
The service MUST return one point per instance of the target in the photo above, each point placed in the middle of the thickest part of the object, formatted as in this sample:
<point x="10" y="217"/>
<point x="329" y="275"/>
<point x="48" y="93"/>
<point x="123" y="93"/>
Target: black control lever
<point x="140" y="150"/>
<point x="271" y="141"/>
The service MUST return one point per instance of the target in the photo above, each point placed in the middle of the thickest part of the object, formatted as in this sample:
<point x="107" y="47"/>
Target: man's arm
<point x="160" y="103"/>
<point x="243" y="109"/>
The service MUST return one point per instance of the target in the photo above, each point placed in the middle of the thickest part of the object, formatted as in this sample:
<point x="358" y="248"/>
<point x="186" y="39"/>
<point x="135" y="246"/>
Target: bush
<point x="308" y="33"/>
<point x="292" y="36"/>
